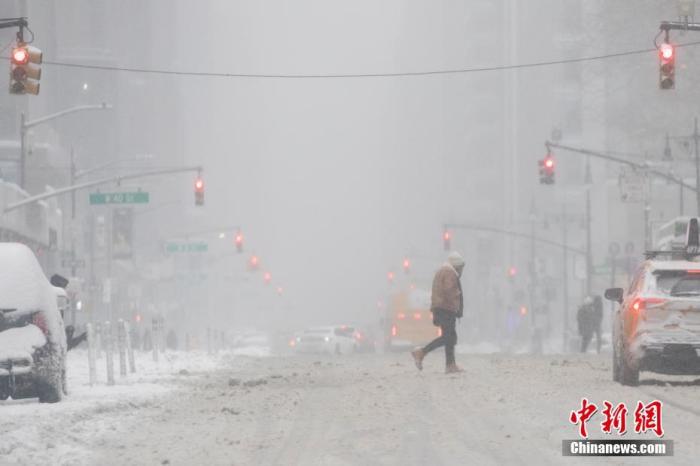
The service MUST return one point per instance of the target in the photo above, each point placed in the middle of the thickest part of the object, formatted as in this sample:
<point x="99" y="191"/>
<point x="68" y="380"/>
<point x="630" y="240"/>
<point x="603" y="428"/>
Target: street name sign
<point x="136" y="197"/>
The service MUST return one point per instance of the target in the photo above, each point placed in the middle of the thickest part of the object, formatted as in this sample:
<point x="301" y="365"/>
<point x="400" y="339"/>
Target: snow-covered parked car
<point x="32" y="333"/>
<point x="331" y="340"/>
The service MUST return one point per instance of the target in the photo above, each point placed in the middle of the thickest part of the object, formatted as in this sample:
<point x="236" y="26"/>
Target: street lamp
<point x="25" y="125"/>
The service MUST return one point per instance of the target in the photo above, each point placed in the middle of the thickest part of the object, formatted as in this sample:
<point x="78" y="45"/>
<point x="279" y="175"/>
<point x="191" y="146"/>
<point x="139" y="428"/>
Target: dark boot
<point x="418" y="356"/>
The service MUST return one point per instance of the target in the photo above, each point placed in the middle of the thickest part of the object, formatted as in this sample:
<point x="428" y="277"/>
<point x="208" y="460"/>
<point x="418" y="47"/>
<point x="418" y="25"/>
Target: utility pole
<point x="696" y="136"/>
<point x="589" y="253"/>
<point x="565" y="267"/>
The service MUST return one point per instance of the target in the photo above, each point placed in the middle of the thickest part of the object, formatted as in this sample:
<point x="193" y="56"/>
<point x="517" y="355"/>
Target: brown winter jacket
<point x="447" y="291"/>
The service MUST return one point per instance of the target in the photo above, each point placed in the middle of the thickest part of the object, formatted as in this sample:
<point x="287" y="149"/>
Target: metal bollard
<point x="99" y="341"/>
<point x="109" y="351"/>
<point x="121" y="346"/>
<point x="209" y="350"/>
<point x="129" y="348"/>
<point x="91" y="354"/>
<point x="154" y="338"/>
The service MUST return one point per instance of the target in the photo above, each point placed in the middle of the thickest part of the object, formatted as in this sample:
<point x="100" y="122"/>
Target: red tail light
<point x="39" y="320"/>
<point x="393" y="331"/>
<point x="417" y="316"/>
<point x="640" y="304"/>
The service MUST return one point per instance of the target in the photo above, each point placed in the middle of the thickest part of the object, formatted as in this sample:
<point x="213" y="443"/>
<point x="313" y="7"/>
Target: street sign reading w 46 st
<point x="137" y="197"/>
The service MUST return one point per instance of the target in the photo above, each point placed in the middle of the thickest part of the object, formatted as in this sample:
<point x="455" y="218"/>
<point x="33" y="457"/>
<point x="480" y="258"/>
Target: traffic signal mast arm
<point x="629" y="163"/>
<point x="679" y="26"/>
<point x="515" y="234"/>
<point x="20" y="23"/>
<point x="89" y="184"/>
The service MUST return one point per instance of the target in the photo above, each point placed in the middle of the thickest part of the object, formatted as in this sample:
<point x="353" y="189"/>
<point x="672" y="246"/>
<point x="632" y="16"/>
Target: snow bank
<point x="20" y="342"/>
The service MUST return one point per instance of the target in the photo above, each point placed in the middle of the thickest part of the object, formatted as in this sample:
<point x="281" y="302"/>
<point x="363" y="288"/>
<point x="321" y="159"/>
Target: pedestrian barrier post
<point x="91" y="354"/>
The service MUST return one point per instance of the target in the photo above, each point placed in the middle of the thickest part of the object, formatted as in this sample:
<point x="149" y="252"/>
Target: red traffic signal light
<point x="547" y="166"/>
<point x="512" y="272"/>
<point x="406" y="265"/>
<point x="447" y="240"/>
<point x="666" y="51"/>
<point x="199" y="191"/>
<point x="390" y="277"/>
<point x="267" y="277"/>
<point x="23" y="74"/>
<point x="253" y="263"/>
<point x="667" y="66"/>
<point x="523" y="310"/>
<point x="20" y="56"/>
<point x="280" y="290"/>
<point x="238" y="240"/>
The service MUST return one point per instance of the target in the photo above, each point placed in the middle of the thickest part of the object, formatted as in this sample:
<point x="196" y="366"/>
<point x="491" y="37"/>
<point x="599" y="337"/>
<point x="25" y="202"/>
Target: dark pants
<point x="588" y="336"/>
<point x="446" y="320"/>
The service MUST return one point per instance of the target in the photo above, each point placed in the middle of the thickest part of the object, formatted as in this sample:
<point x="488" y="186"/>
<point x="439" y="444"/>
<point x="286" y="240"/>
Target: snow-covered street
<point x="360" y="409"/>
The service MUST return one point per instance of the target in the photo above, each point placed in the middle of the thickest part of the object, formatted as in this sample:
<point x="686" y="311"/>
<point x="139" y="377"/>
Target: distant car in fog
<point x="329" y="340"/>
<point x="253" y="344"/>
<point x="365" y="340"/>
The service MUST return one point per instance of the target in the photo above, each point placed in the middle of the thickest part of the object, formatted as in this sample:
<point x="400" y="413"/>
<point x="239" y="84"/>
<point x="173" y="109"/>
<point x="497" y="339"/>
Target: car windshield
<point x="677" y="283"/>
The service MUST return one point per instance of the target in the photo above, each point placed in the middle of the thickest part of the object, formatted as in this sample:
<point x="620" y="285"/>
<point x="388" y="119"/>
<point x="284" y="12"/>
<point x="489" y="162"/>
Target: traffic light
<point x="199" y="191"/>
<point x="280" y="290"/>
<point x="547" y="166"/>
<point x="406" y="265"/>
<point x="390" y="277"/>
<point x="267" y="277"/>
<point x="512" y="272"/>
<point x="447" y="240"/>
<point x="667" y="66"/>
<point x="253" y="263"/>
<point x="238" y="240"/>
<point x="24" y="76"/>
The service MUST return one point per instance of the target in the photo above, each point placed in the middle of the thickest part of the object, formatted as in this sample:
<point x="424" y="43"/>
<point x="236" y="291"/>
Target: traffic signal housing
<point x="24" y="72"/>
<point x="238" y="240"/>
<point x="199" y="191"/>
<point x="667" y="66"/>
<point x="547" y="166"/>
<point x="447" y="240"/>
<point x="253" y="263"/>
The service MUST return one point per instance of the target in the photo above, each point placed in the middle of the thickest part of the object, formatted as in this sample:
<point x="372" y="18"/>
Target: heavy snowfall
<point x="407" y="232"/>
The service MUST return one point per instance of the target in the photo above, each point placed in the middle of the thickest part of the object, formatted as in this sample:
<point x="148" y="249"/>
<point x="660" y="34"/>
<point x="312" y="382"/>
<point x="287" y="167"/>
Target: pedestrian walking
<point x="447" y="305"/>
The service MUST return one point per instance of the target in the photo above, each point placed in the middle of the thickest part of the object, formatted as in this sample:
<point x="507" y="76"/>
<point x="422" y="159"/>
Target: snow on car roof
<point x="23" y="285"/>
<point x="673" y="265"/>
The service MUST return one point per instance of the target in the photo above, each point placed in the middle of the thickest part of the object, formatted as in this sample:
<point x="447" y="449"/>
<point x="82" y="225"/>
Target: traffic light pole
<point x="696" y="136"/>
<point x="25" y="125"/>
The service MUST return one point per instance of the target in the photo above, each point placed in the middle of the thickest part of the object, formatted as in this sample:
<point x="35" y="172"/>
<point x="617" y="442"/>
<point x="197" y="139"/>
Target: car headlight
<point x="327" y="339"/>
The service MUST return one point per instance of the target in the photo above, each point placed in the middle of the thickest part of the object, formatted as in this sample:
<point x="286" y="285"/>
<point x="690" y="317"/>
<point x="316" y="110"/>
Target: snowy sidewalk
<point x="69" y="431"/>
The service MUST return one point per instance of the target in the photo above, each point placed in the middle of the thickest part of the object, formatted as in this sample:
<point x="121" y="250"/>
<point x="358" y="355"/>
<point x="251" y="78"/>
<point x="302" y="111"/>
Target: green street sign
<point x="138" y="197"/>
<point x="186" y="247"/>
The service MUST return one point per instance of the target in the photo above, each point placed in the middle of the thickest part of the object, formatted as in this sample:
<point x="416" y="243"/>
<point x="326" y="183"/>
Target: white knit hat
<point x="455" y="259"/>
